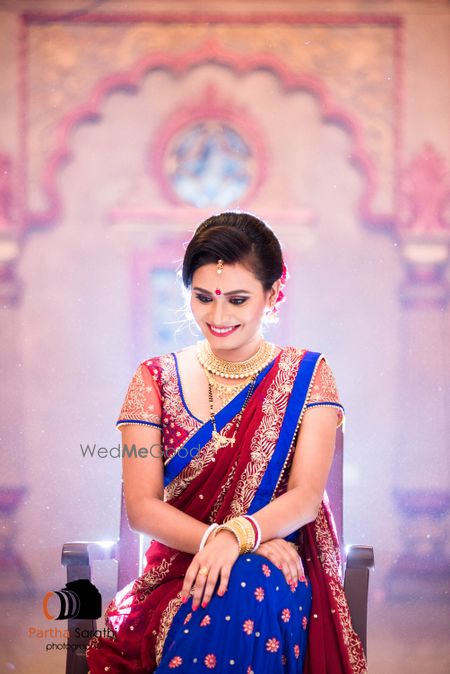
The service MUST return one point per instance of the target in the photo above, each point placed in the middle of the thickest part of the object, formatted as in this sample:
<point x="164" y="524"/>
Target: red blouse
<point x="155" y="398"/>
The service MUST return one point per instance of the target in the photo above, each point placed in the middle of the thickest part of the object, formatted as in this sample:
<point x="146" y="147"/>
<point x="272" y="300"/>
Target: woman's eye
<point x="234" y="300"/>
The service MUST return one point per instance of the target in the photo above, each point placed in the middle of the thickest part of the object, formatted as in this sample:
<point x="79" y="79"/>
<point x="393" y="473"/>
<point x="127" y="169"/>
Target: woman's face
<point x="231" y="320"/>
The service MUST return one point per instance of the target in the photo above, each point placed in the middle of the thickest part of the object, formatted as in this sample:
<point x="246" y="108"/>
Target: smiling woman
<point x="243" y="570"/>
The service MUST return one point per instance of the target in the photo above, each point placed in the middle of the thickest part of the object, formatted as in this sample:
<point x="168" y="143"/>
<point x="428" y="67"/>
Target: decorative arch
<point x="211" y="51"/>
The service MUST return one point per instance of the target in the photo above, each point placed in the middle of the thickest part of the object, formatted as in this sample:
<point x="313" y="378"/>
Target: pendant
<point x="221" y="440"/>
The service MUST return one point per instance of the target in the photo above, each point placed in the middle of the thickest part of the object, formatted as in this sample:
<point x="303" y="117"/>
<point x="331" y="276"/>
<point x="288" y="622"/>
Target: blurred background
<point x="124" y="125"/>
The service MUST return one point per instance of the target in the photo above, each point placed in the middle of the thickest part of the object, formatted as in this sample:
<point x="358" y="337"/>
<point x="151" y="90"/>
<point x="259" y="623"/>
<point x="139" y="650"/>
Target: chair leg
<point x="76" y="647"/>
<point x="360" y="559"/>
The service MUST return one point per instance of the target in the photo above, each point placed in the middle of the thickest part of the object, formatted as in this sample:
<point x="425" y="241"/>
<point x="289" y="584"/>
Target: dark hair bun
<point x="235" y="237"/>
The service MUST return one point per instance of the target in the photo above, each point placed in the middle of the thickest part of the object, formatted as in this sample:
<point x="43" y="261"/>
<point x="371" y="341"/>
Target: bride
<point x="243" y="571"/>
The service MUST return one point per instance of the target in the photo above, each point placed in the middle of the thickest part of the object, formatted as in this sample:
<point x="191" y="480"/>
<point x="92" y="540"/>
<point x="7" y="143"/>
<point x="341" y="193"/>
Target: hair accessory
<point x="283" y="278"/>
<point x="219" y="266"/>
<point x="218" y="290"/>
<point x="272" y="312"/>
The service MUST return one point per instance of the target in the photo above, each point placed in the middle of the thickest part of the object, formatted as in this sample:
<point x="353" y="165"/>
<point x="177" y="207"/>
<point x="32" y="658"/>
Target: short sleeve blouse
<point x="142" y="404"/>
<point x="324" y="391"/>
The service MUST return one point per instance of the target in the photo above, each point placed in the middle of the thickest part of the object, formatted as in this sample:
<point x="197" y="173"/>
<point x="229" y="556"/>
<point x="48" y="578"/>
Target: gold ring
<point x="203" y="571"/>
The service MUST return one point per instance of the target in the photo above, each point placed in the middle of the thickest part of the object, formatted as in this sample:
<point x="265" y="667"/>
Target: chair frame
<point x="78" y="557"/>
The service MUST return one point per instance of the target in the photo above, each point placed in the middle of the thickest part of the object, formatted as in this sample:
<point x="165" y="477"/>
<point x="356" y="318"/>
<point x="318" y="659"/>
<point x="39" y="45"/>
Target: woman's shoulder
<point x="300" y="351"/>
<point x="159" y="367"/>
<point x="158" y="360"/>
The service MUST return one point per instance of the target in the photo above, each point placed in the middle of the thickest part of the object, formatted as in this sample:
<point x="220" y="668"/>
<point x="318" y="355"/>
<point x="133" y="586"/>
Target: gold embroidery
<point x="325" y="389"/>
<point x="196" y="465"/>
<point x="223" y="491"/>
<point x="143" y="585"/>
<point x="173" y="406"/>
<point x="330" y="560"/>
<point x="141" y="400"/>
<point x="293" y="443"/>
<point x="266" y="436"/>
<point x="165" y="623"/>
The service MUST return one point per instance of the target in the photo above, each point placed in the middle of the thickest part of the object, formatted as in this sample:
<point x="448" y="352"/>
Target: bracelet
<point x="244" y="531"/>
<point x="257" y="530"/>
<point x="206" y="534"/>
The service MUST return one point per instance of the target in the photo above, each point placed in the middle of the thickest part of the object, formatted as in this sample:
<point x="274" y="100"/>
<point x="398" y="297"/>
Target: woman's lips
<point x="222" y="332"/>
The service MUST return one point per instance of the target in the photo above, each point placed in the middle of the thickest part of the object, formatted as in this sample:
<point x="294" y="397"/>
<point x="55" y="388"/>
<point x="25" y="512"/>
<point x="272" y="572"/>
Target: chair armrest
<point x="83" y="553"/>
<point x="360" y="559"/>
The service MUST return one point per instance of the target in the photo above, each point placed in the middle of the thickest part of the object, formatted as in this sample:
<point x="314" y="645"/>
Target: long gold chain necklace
<point x="226" y="392"/>
<point x="219" y="439"/>
<point x="246" y="370"/>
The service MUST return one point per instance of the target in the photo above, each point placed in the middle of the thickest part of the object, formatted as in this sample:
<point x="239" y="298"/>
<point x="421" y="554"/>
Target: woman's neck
<point x="241" y="353"/>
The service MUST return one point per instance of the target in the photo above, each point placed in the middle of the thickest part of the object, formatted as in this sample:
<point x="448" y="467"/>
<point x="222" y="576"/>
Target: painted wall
<point x="86" y="315"/>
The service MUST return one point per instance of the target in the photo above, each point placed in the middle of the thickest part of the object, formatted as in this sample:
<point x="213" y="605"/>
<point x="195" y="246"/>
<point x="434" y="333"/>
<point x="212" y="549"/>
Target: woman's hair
<point x="235" y="237"/>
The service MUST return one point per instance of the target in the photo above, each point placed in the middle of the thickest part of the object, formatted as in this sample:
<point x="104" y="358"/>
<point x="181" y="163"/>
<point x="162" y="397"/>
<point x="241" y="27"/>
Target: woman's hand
<point x="218" y="556"/>
<point x="285" y="556"/>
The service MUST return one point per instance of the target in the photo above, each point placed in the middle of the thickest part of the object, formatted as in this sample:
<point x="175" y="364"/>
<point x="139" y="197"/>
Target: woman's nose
<point x="219" y="314"/>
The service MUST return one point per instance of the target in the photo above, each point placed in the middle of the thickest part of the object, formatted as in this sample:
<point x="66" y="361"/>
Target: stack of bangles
<point x="245" y="528"/>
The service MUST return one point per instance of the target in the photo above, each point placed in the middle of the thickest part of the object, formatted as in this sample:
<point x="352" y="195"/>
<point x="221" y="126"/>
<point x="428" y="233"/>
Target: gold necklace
<point x="235" y="370"/>
<point x="220" y="440"/>
<point x="226" y="392"/>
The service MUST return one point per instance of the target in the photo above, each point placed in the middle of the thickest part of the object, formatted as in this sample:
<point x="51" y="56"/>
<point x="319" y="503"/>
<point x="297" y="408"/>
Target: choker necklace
<point x="235" y="370"/>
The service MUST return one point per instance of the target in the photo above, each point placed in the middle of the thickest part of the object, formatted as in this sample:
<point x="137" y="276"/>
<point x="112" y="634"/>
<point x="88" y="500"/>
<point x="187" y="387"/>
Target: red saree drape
<point x="215" y="486"/>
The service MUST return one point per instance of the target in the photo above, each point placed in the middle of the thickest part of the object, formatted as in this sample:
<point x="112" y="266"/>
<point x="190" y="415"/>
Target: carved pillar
<point x="422" y="455"/>
<point x="12" y="490"/>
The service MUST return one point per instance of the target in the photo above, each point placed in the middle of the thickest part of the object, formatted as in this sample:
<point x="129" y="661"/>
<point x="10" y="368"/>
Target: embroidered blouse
<point x="155" y="398"/>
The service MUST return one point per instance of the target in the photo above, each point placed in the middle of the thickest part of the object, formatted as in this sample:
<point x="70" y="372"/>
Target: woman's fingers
<point x="300" y="567"/>
<point x="212" y="582"/>
<point x="199" y="587"/>
<point x="204" y="584"/>
<point x="285" y="557"/>
<point x="189" y="579"/>
<point x="295" y="565"/>
<point x="224" y="578"/>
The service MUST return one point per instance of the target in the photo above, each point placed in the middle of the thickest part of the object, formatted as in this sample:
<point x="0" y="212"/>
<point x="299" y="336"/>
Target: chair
<point x="78" y="557"/>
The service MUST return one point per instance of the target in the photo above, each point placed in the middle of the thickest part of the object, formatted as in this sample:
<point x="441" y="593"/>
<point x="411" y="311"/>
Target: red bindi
<point x="218" y="291"/>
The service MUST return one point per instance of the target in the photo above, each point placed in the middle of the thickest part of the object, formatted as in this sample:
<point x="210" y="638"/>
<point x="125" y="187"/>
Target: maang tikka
<point x="219" y="271"/>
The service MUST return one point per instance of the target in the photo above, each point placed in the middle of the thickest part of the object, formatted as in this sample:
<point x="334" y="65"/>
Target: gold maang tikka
<point x="219" y="271"/>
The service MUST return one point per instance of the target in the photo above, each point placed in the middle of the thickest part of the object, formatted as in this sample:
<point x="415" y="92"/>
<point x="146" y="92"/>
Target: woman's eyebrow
<point x="230" y="292"/>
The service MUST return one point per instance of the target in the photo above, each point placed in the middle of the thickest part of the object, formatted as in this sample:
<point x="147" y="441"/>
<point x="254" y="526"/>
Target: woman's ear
<point x="274" y="291"/>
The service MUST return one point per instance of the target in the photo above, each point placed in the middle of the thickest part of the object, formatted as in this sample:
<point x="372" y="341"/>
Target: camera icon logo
<point x="78" y="599"/>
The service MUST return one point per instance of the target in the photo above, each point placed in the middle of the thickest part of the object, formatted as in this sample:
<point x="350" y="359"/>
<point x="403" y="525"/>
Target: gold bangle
<point x="227" y="528"/>
<point x="243" y="531"/>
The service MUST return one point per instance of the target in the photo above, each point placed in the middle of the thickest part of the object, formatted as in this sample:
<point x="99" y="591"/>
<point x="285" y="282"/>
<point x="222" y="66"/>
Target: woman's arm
<point x="308" y="477"/>
<point x="144" y="486"/>
<point x="144" y="492"/>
